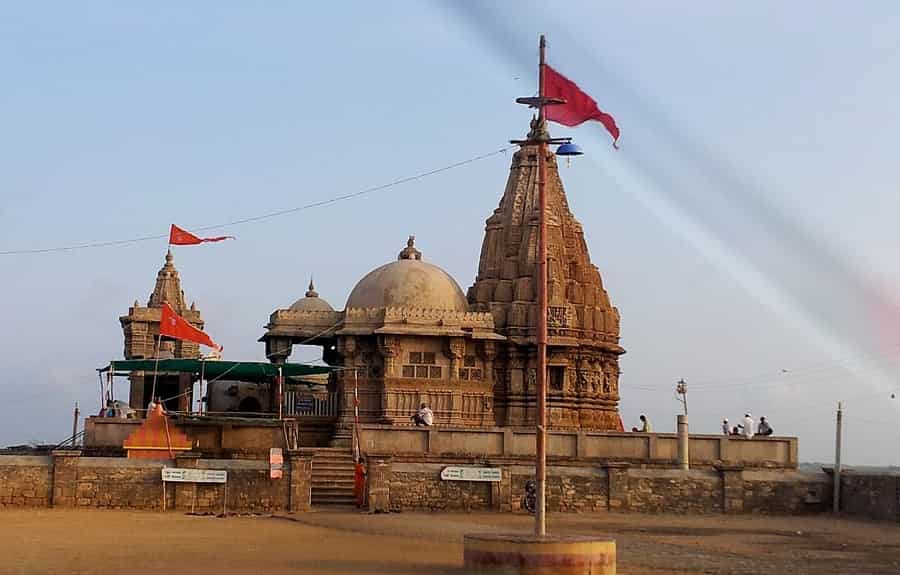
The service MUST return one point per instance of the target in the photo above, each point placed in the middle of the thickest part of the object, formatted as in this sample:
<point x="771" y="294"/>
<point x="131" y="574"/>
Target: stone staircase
<point x="332" y="477"/>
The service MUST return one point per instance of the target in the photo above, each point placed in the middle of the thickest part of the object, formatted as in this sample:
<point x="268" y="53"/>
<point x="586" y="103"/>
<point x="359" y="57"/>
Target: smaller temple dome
<point x="311" y="301"/>
<point x="408" y="282"/>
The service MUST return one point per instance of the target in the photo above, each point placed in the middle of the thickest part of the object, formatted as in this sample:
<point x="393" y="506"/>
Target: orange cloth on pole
<point x="180" y="237"/>
<point x="173" y="325"/>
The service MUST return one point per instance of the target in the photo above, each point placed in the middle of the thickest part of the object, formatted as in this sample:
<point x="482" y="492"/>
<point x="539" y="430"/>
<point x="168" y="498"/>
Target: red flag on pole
<point x="579" y="107"/>
<point x="173" y="325"/>
<point x="180" y="237"/>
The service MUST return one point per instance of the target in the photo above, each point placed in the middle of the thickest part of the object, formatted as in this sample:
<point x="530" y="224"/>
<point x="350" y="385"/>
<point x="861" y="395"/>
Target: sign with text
<point x="194" y="475"/>
<point x="276" y="463"/>
<point x="460" y="473"/>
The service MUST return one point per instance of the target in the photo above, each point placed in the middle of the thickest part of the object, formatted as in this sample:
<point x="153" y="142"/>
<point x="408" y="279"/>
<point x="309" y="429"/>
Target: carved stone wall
<point x="583" y="326"/>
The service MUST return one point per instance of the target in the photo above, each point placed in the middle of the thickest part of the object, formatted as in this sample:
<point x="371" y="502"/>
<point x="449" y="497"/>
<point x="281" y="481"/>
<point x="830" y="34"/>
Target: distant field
<point x="116" y="542"/>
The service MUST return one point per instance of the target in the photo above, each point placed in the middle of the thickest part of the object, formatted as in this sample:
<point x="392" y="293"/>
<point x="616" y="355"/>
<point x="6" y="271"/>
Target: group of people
<point x="425" y="417"/>
<point x="745" y="428"/>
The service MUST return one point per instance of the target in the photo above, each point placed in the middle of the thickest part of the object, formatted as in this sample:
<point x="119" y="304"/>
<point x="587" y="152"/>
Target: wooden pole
<point x="540" y="520"/>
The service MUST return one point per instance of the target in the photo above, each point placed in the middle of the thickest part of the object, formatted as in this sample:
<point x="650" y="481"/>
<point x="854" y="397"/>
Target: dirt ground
<point x="114" y="542"/>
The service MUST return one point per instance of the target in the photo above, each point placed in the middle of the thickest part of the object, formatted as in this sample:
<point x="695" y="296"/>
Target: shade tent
<point x="256" y="371"/>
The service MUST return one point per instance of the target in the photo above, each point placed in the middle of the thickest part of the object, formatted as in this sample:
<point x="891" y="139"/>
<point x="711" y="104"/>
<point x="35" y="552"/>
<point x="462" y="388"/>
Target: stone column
<point x="65" y="478"/>
<point x="378" y="484"/>
<point x="683" y="443"/>
<point x="501" y="491"/>
<point x="136" y="394"/>
<point x="617" y="475"/>
<point x="300" y="496"/>
<point x="732" y="488"/>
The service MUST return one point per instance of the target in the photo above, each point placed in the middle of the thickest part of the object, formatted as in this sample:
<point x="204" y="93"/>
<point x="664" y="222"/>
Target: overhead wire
<point x="240" y="221"/>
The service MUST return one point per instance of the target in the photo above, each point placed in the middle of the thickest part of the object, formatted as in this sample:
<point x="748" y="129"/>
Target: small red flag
<point x="173" y="325"/>
<point x="180" y="237"/>
<point x="579" y="107"/>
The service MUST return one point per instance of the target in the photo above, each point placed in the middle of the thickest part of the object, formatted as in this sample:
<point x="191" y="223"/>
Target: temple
<point x="142" y="341"/>
<point x="583" y="326"/>
<point x="408" y="335"/>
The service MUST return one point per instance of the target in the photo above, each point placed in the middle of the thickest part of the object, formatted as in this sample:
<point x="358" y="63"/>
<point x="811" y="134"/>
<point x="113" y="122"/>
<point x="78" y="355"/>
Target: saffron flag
<point x="173" y="325"/>
<point x="180" y="237"/>
<point x="579" y="107"/>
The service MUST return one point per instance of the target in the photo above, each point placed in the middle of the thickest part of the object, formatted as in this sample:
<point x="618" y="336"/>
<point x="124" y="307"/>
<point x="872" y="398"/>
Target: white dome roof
<point x="408" y="282"/>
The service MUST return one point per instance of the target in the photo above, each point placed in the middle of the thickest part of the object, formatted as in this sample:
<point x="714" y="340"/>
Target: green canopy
<point x="257" y="371"/>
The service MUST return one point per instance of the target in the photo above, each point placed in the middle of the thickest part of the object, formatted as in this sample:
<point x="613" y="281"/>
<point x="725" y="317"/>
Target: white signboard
<point x="194" y="475"/>
<point x="470" y="474"/>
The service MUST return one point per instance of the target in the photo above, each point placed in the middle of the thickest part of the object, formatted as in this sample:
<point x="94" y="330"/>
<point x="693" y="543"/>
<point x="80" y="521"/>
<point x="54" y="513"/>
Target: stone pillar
<point x="378" y="484"/>
<point x="501" y="491"/>
<point x="136" y="394"/>
<point x="300" y="496"/>
<point x="683" y="443"/>
<point x="617" y="475"/>
<point x="65" y="478"/>
<point x="732" y="488"/>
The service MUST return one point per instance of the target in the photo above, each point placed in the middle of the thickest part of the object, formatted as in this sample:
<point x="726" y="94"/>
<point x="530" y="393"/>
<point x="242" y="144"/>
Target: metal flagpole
<point x="540" y="137"/>
<point x="540" y="519"/>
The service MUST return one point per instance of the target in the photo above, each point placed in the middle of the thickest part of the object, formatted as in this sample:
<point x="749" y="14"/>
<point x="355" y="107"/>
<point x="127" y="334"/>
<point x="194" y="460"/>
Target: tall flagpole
<point x="540" y="516"/>
<point x="540" y="137"/>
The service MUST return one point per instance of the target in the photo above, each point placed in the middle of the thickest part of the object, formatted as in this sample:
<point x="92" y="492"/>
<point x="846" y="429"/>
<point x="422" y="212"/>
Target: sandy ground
<point x="107" y="542"/>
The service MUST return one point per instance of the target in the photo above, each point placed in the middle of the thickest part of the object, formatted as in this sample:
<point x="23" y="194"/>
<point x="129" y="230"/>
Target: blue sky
<point x="746" y="227"/>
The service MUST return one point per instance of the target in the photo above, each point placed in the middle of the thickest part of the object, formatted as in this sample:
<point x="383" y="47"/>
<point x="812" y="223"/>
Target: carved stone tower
<point x="141" y="329"/>
<point x="583" y="346"/>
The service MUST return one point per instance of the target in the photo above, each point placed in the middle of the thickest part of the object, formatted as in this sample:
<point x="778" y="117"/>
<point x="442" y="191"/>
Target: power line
<point x="266" y="216"/>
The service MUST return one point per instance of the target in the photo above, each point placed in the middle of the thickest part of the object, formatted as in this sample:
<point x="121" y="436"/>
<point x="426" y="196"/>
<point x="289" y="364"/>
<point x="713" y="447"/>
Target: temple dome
<point x="311" y="301"/>
<point x="408" y="282"/>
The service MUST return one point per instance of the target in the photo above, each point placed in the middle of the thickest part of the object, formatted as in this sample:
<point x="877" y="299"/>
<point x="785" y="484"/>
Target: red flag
<point x="579" y="107"/>
<point x="173" y="325"/>
<point x="180" y="237"/>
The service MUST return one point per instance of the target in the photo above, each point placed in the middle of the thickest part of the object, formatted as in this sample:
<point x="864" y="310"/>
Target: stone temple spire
<point x="583" y="325"/>
<point x="168" y="287"/>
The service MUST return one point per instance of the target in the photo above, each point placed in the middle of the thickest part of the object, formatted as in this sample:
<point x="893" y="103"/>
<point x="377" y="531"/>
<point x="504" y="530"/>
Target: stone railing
<point x="643" y="448"/>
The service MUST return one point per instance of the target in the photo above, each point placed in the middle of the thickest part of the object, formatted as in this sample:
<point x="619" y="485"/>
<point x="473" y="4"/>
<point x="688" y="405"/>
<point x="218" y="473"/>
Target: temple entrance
<point x="166" y="388"/>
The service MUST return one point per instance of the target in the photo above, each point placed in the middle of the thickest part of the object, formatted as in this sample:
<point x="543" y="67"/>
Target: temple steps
<point x="332" y="477"/>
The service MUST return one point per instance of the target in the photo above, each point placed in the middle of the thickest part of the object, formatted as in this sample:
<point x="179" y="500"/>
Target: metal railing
<point x="300" y="404"/>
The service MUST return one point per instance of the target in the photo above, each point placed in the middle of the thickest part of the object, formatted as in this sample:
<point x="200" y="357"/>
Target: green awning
<point x="257" y="371"/>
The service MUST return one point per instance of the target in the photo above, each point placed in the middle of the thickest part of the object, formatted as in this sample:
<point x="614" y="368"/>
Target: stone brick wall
<point x="873" y="496"/>
<point x="66" y="479"/>
<point x="424" y="489"/>
<point x="786" y="492"/>
<point x="25" y="481"/>
<point x="675" y="491"/>
<point x="415" y="483"/>
<point x="118" y="483"/>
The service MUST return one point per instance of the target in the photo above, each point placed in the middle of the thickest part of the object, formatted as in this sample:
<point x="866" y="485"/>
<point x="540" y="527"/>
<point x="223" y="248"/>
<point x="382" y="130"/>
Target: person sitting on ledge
<point x="424" y="416"/>
<point x="764" y="428"/>
<point x="645" y="425"/>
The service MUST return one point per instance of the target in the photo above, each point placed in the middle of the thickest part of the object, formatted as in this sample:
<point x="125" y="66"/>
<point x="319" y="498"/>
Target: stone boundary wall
<point x="660" y="449"/>
<point x="25" y="481"/>
<point x="873" y="496"/>
<point x="414" y="483"/>
<point x="68" y="480"/>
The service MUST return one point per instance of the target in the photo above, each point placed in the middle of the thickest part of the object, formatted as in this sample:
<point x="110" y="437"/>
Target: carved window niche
<point x="422" y="366"/>
<point x="557" y="377"/>
<point x="470" y="371"/>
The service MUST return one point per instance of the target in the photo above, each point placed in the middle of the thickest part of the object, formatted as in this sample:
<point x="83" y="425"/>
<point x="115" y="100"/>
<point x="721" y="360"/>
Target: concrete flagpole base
<point x="533" y="555"/>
